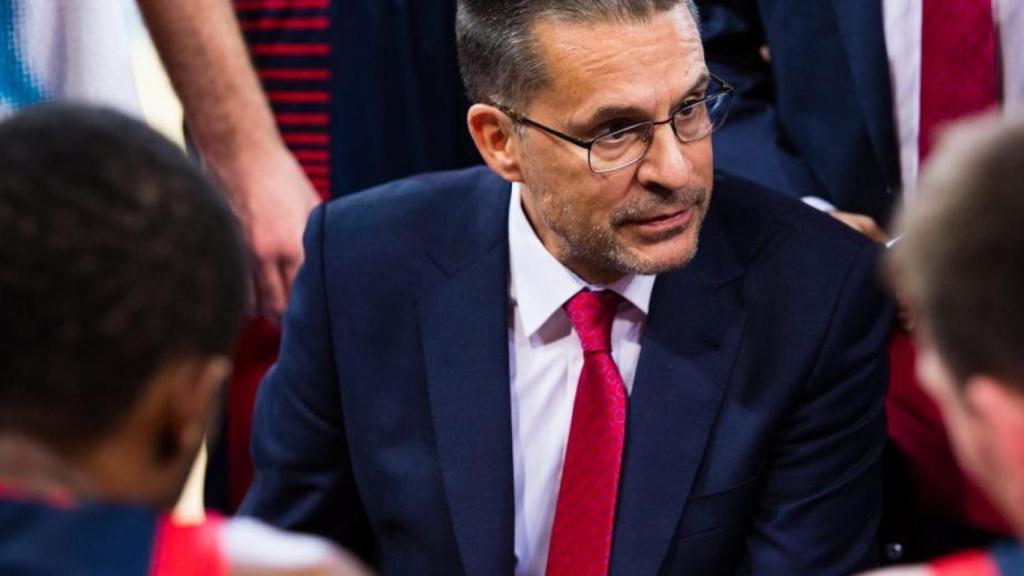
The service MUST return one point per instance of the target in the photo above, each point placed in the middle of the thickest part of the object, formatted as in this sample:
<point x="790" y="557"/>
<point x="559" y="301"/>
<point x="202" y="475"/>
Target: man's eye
<point x="612" y="128"/>
<point x="688" y="108"/>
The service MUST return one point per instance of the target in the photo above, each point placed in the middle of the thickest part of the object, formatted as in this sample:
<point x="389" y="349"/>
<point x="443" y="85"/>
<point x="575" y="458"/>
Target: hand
<point x="272" y="198"/>
<point x="866" y="225"/>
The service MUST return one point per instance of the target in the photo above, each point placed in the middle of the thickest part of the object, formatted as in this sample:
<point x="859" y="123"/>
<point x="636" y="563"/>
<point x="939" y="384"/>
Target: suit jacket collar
<point x="464" y="327"/>
<point x="688" y="348"/>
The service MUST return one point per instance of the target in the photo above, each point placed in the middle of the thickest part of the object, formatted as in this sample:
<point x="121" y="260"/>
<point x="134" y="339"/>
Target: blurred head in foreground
<point x="121" y="289"/>
<point x="960" y="267"/>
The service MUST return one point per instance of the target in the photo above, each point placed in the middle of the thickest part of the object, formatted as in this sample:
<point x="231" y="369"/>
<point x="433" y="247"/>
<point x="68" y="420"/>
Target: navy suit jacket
<point x="755" y="424"/>
<point x="818" y="120"/>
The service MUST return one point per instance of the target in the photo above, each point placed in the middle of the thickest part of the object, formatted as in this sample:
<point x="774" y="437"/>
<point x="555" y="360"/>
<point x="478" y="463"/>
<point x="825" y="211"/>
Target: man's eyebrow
<point x="701" y="81"/>
<point x="605" y="113"/>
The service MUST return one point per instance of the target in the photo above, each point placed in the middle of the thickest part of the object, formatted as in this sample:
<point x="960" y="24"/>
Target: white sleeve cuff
<point x="818" y="203"/>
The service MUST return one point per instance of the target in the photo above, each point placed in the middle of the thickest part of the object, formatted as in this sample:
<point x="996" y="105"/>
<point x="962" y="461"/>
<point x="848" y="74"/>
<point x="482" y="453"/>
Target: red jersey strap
<point x="973" y="563"/>
<point x="193" y="550"/>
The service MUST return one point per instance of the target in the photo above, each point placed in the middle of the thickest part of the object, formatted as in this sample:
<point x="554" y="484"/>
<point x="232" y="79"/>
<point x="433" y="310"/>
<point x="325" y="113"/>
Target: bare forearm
<point x="201" y="46"/>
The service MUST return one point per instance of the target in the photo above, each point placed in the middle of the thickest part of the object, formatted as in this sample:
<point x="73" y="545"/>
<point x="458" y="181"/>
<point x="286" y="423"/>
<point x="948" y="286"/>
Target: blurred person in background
<point x="960" y="265"/>
<point x="838" y="103"/>
<point x="122" y="282"/>
<point x="78" y="50"/>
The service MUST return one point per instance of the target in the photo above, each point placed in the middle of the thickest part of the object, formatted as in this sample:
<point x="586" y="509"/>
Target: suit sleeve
<point x="822" y="498"/>
<point x="752" y="143"/>
<point x="303" y="480"/>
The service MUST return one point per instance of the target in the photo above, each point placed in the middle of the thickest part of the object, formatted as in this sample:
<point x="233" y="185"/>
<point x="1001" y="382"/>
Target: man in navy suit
<point x="531" y="367"/>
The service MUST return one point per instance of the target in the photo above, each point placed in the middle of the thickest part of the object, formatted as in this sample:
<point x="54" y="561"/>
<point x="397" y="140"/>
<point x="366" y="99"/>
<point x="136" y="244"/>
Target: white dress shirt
<point x="545" y="361"/>
<point x="902" y="21"/>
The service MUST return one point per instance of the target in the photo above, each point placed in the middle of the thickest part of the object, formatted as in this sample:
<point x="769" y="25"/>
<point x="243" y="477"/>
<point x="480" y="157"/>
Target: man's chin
<point x="662" y="257"/>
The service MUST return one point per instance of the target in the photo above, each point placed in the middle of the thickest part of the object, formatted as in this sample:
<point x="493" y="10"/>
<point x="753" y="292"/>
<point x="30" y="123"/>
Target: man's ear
<point x="496" y="140"/>
<point x="999" y="407"/>
<point x="167" y="428"/>
<point x="196" y="401"/>
<point x="1000" y="404"/>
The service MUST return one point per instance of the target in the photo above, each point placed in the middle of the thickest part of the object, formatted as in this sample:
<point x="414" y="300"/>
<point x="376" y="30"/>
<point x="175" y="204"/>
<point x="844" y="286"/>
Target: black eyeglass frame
<point x="588" y="145"/>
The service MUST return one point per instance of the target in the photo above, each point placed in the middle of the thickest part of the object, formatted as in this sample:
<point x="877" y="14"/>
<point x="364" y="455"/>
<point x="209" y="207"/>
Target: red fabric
<point x="973" y="563"/>
<point x="58" y="498"/>
<point x="581" y="538"/>
<point x="915" y="426"/>
<point x="255" y="353"/>
<point x="290" y="44"/>
<point x="959" y="78"/>
<point x="959" y="64"/>
<point x="193" y="550"/>
<point x="290" y="41"/>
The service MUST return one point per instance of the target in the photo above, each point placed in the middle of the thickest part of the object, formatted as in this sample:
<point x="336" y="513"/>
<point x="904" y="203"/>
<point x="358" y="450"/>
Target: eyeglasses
<point x="626" y="146"/>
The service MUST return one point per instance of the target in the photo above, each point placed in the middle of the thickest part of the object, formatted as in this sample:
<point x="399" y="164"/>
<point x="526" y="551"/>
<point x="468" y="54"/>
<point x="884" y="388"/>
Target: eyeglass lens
<point x="624" y="147"/>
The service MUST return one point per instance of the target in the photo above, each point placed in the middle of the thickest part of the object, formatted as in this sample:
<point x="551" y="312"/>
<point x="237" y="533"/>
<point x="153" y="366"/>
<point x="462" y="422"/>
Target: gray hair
<point x="497" y="54"/>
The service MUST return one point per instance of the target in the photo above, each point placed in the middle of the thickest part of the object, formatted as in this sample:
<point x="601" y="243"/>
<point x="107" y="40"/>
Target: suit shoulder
<point x="804" y="232"/>
<point x="413" y="210"/>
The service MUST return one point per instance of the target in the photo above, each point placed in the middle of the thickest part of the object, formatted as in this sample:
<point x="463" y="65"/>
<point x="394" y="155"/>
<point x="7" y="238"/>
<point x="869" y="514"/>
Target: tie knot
<point x="592" y="314"/>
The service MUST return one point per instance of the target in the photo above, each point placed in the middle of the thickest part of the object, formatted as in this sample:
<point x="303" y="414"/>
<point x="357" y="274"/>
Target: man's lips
<point x="663" y="221"/>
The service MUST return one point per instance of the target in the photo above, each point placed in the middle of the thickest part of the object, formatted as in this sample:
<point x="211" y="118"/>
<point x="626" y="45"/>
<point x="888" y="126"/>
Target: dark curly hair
<point x="116" y="257"/>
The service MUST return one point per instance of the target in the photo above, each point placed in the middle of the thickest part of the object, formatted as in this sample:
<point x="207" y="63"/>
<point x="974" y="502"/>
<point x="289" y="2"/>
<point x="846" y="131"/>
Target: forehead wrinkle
<point x="610" y="111"/>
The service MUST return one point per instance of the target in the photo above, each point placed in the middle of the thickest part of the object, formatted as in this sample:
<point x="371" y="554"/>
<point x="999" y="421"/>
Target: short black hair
<point x="116" y="256"/>
<point x="497" y="53"/>
<point x="961" y="261"/>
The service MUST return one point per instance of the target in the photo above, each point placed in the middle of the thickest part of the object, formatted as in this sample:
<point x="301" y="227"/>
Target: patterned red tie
<point x="581" y="538"/>
<point x="959" y="64"/>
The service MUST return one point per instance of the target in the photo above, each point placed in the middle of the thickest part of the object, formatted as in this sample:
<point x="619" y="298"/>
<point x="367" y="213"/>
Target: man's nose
<point x="666" y="163"/>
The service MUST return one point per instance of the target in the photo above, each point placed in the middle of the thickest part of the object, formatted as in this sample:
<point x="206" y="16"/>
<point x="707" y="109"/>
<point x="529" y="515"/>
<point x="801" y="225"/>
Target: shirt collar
<point x="540" y="284"/>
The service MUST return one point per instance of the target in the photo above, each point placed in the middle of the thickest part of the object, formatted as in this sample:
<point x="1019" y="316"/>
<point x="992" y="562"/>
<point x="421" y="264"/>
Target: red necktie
<point x="581" y="538"/>
<point x="959" y="64"/>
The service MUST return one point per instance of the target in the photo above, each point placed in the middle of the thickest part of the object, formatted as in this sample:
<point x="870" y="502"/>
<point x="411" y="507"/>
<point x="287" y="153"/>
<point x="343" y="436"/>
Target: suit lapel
<point x="863" y="34"/>
<point x="464" y="323"/>
<point x="688" y="347"/>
